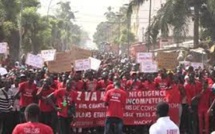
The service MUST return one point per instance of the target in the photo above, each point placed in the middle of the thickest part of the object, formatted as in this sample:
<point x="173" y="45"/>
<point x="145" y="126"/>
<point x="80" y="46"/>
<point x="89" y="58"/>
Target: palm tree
<point x="175" y="14"/>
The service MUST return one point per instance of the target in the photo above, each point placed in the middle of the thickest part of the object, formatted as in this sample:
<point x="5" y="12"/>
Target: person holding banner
<point x="163" y="125"/>
<point x="65" y="99"/>
<point x="115" y="100"/>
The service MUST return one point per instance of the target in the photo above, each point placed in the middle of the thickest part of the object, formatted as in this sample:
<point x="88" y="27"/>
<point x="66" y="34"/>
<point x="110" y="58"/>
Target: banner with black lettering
<point x="140" y="108"/>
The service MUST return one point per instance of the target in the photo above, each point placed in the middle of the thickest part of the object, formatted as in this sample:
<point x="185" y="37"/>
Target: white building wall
<point x="141" y="19"/>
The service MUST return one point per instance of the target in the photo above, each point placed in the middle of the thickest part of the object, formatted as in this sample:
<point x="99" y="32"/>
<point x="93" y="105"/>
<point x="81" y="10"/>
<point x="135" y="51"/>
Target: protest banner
<point x="3" y="48"/>
<point x="140" y="108"/>
<point x="34" y="61"/>
<point x="80" y="53"/>
<point x="144" y="57"/>
<point x="94" y="63"/>
<point x="197" y="65"/>
<point x="167" y="60"/>
<point x="62" y="63"/>
<point x="149" y="67"/>
<point x="82" y="65"/>
<point x="48" y="55"/>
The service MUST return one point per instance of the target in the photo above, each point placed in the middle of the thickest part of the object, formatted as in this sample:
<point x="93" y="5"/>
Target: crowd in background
<point x="24" y="85"/>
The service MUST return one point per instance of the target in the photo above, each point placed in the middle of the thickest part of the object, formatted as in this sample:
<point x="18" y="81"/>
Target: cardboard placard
<point x="48" y="55"/>
<point x="167" y="60"/>
<point x="82" y="65"/>
<point x="80" y="53"/>
<point x="62" y="63"/>
<point x="34" y="60"/>
<point x="144" y="57"/>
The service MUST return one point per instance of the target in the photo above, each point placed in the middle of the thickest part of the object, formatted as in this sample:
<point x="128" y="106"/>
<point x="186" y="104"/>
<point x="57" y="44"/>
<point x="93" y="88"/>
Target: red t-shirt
<point x="91" y="85"/>
<point x="162" y="84"/>
<point x="27" y="93"/>
<point x="79" y="85"/>
<point x="204" y="101"/>
<point x="63" y="100"/>
<point x="32" y="128"/>
<point x="149" y="85"/>
<point x="131" y="85"/>
<point x="44" y="105"/>
<point x="192" y="90"/>
<point x="116" y="99"/>
<point x="173" y="95"/>
<point x="103" y="85"/>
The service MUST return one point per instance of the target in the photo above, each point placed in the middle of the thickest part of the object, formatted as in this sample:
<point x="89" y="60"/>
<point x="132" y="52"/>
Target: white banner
<point x="144" y="57"/>
<point x="82" y="65"/>
<point x="149" y="67"/>
<point x="48" y="55"/>
<point x="94" y="64"/>
<point x="3" y="48"/>
<point x="34" y="60"/>
<point x="196" y="65"/>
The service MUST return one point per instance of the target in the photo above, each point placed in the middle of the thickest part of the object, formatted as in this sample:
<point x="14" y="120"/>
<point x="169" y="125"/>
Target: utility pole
<point x="196" y="23"/>
<point x="149" y="26"/>
<point x="20" y="27"/>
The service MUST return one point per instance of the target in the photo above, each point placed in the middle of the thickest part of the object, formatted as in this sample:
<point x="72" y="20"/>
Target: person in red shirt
<point x="115" y="100"/>
<point x="111" y="86"/>
<point x="203" y="106"/>
<point x="91" y="83"/>
<point x="45" y="108"/>
<point x="149" y="83"/>
<point x="65" y="101"/>
<point x="102" y="84"/>
<point x="134" y="83"/>
<point x="27" y="92"/>
<point x="32" y="126"/>
<point x="161" y="81"/>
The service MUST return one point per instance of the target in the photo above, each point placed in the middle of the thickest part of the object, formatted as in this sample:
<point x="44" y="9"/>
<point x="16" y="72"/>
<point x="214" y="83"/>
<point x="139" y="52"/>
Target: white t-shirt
<point x="164" y="126"/>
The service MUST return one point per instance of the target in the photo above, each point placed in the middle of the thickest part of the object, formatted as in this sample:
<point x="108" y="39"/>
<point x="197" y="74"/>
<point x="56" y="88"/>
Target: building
<point x="140" y="22"/>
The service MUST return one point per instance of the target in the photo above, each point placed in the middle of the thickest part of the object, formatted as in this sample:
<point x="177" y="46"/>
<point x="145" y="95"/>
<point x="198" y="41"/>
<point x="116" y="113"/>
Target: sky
<point x="89" y="13"/>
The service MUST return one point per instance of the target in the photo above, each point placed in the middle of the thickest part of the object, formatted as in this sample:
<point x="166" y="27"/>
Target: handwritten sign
<point x="149" y="67"/>
<point x="34" y="60"/>
<point x="167" y="60"/>
<point x="81" y="65"/>
<point x="3" y="47"/>
<point x="48" y="55"/>
<point x="62" y="63"/>
<point x="144" y="57"/>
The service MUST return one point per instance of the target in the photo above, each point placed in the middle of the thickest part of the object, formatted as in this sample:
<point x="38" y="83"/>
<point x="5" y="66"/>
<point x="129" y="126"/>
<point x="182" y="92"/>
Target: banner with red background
<point x="140" y="108"/>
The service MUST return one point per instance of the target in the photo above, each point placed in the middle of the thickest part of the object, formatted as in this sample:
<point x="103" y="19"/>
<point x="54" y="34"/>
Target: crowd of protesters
<point x="55" y="93"/>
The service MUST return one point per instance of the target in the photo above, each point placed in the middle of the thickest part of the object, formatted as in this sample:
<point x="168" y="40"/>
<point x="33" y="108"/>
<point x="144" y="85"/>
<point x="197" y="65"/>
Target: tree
<point x="115" y="29"/>
<point x="175" y="14"/>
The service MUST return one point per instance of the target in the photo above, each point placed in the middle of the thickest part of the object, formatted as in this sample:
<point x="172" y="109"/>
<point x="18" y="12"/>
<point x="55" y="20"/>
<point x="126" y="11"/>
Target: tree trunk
<point x="14" y="46"/>
<point x="196" y="23"/>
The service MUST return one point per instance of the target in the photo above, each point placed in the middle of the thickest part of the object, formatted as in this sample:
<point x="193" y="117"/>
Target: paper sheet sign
<point x="82" y="65"/>
<point x="3" y="48"/>
<point x="94" y="64"/>
<point x="149" y="67"/>
<point x="48" y="55"/>
<point x="144" y="57"/>
<point x="34" y="60"/>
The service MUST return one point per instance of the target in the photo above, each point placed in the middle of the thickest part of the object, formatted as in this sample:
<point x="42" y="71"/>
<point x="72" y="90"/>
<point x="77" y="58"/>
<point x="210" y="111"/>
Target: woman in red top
<point x="65" y="101"/>
<point x="45" y="108"/>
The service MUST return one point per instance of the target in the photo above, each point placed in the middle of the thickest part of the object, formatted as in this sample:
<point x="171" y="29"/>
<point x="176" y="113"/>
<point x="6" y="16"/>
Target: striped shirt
<point x="5" y="102"/>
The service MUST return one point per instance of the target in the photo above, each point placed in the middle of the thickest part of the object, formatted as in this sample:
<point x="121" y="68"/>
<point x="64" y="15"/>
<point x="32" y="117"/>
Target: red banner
<point x="140" y="108"/>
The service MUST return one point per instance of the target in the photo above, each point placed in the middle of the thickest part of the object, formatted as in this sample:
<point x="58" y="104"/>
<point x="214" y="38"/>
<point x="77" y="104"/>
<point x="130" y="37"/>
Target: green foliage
<point x="38" y="32"/>
<point x="115" y="29"/>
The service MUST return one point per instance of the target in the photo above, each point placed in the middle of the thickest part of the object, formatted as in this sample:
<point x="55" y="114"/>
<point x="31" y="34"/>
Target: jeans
<point x="113" y="121"/>
<point x="64" y="125"/>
